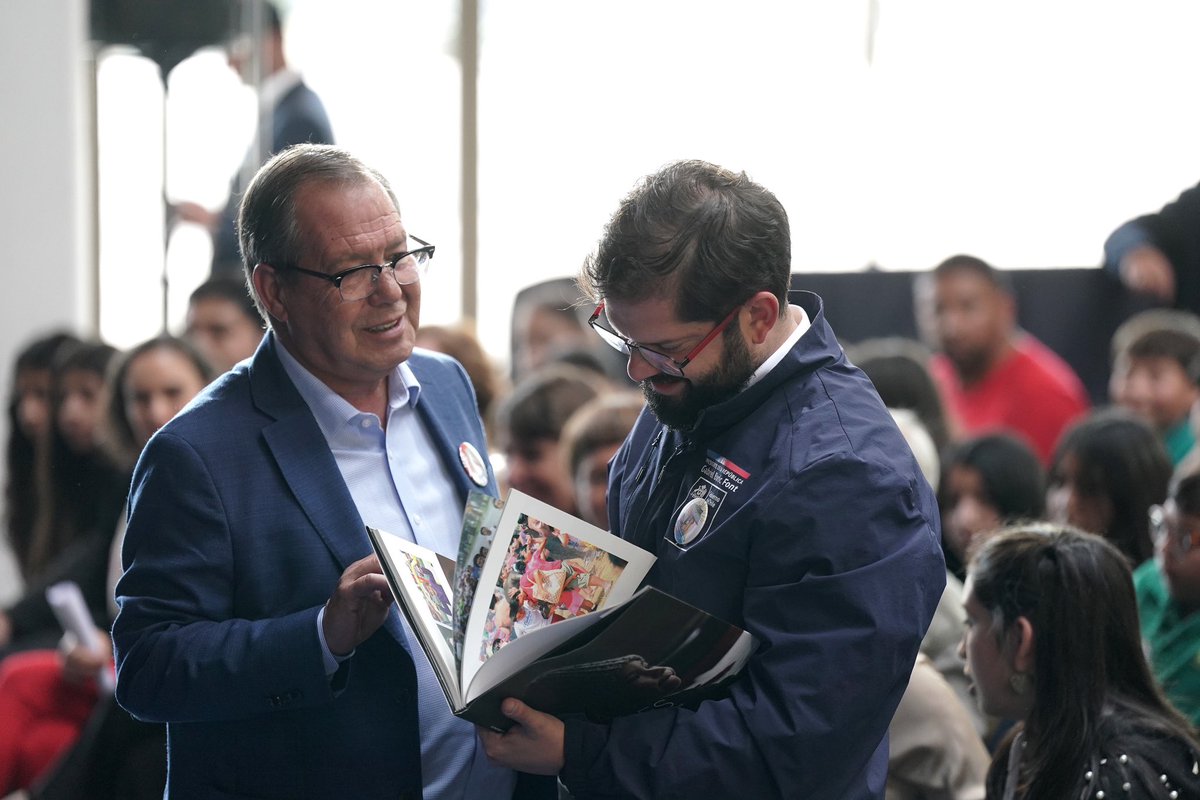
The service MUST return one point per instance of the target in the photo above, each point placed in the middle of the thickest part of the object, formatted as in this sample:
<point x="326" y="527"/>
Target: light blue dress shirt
<point x="400" y="485"/>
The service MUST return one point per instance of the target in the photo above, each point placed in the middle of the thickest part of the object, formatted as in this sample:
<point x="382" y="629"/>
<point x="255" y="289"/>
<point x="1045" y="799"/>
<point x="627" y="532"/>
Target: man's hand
<point x="6" y="631"/>
<point x="358" y="607"/>
<point x="1145" y="269"/>
<point x="533" y="745"/>
<point x="195" y="213"/>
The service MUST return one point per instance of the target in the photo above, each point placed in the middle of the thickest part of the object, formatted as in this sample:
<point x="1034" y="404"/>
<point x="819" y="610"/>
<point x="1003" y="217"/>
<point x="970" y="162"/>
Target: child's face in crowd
<point x="968" y="510"/>
<point x="591" y="485"/>
<point x="1156" y="388"/>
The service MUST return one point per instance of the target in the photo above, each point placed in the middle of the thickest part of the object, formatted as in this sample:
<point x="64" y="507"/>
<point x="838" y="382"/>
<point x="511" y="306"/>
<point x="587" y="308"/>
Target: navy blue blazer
<point x="240" y="526"/>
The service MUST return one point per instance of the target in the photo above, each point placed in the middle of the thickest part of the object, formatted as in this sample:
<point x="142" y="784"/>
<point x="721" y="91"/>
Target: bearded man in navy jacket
<point x="817" y="532"/>
<point x="253" y="619"/>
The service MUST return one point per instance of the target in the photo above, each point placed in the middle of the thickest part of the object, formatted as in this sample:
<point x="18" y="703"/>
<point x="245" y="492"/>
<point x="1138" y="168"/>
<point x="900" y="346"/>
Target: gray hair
<point x="268" y="231"/>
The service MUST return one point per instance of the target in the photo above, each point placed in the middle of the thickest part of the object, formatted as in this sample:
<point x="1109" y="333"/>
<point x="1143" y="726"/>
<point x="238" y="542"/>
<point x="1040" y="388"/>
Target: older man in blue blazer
<point x="253" y="618"/>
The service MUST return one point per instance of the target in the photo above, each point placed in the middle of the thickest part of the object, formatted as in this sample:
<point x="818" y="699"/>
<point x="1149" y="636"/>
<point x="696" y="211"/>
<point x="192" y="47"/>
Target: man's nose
<point x="639" y="369"/>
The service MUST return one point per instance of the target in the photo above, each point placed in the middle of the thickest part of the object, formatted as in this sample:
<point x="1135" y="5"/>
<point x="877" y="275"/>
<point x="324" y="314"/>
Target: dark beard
<point x="726" y="380"/>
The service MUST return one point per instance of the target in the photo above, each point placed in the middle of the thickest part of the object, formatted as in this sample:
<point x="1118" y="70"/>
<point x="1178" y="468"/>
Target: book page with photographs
<point x="480" y="517"/>
<point x="417" y="573"/>
<point x="545" y="566"/>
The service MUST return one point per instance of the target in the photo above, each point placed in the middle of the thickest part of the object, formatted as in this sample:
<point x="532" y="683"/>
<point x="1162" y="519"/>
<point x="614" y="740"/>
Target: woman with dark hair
<point x="48" y="696"/>
<point x="151" y="383"/>
<point x="81" y="494"/>
<point x="1108" y="469"/>
<point x="29" y="422"/>
<point x="1052" y="640"/>
<point x="987" y="482"/>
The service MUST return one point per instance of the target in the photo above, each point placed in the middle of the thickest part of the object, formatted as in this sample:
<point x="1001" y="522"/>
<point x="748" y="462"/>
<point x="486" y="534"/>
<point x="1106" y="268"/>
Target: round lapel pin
<point x="473" y="463"/>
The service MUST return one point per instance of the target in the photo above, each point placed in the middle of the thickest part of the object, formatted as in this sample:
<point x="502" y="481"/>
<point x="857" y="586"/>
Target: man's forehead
<point x="346" y="219"/>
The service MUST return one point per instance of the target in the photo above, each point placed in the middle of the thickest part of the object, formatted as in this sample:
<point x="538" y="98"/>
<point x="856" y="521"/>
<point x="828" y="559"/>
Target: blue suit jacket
<point x="239" y="528"/>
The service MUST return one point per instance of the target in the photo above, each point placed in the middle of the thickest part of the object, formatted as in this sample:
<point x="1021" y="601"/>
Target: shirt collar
<point x="331" y="410"/>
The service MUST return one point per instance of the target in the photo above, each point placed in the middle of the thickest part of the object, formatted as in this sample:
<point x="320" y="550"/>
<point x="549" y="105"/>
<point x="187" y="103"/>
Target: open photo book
<point x="545" y="607"/>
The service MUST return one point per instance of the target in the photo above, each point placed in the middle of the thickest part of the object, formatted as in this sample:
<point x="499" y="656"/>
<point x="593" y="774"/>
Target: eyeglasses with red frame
<point x="660" y="361"/>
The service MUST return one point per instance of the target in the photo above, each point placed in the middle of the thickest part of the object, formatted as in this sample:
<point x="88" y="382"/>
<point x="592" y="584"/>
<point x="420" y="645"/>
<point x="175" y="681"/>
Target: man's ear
<point x="1024" y="647"/>
<point x="763" y="316"/>
<point x="270" y="291"/>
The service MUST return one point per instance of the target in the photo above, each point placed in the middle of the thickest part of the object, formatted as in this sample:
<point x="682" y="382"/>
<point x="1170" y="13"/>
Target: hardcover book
<point x="545" y="607"/>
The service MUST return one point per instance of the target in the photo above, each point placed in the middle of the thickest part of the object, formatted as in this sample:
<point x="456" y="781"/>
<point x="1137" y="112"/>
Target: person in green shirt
<point x="1168" y="594"/>
<point x="1154" y="354"/>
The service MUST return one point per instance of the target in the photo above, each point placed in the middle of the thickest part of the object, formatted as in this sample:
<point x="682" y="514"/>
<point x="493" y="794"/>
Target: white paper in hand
<point x="66" y="601"/>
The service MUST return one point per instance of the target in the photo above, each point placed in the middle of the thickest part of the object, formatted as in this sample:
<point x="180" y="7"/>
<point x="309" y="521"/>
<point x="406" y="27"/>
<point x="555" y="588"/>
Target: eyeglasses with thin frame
<point x="1163" y="530"/>
<point x="359" y="283"/>
<point x="660" y="361"/>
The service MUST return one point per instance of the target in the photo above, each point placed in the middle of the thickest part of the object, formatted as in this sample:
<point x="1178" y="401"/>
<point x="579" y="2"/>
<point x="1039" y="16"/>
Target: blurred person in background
<point x="84" y="494"/>
<point x="992" y="376"/>
<point x="590" y="438"/>
<point x="529" y="424"/>
<point x="1108" y="470"/>
<point x="47" y="697"/>
<point x="1154" y="356"/>
<point x="460" y="343"/>
<point x="30" y="418"/>
<point x="987" y="482"/>
<point x="223" y="323"/>
<point x="1168" y="592"/>
<point x="289" y="112"/>
<point x="899" y="369"/>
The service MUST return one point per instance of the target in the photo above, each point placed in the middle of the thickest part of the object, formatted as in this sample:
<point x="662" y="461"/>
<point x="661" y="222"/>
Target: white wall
<point x="46" y="195"/>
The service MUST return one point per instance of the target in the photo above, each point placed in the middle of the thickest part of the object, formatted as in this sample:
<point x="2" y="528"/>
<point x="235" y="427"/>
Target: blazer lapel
<point x="309" y="468"/>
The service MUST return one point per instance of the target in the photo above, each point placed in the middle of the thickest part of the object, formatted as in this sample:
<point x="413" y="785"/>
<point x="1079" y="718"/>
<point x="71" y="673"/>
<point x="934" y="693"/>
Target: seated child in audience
<point x="1052" y="641"/>
<point x="589" y="439"/>
<point x="1154" y="354"/>
<point x="1168" y="593"/>
<point x="986" y="483"/>
<point x="530" y="423"/>
<point x="1107" y="471"/>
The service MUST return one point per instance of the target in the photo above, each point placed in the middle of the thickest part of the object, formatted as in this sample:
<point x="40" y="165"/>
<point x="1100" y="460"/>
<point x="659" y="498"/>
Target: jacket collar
<point x="816" y="348"/>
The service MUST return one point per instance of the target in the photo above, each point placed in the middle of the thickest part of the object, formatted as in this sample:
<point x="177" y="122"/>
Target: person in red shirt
<point x="993" y="376"/>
